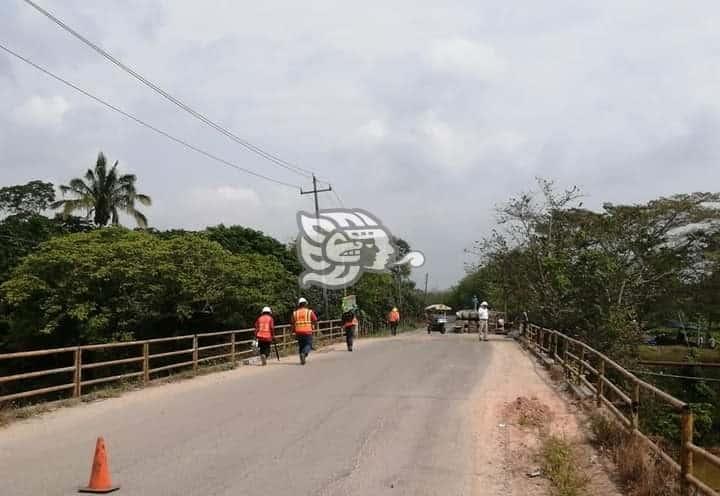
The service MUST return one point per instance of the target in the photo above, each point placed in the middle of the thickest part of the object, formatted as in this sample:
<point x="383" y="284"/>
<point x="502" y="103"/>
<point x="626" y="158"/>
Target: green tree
<point x="244" y="240"/>
<point x="103" y="194"/>
<point x="27" y="199"/>
<point x="113" y="283"/>
<point x="596" y="274"/>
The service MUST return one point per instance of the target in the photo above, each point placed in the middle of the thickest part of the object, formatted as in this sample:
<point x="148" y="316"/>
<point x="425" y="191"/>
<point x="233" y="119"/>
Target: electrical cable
<point x="144" y="123"/>
<point x="196" y="114"/>
<point x="672" y="376"/>
<point x="342" y="205"/>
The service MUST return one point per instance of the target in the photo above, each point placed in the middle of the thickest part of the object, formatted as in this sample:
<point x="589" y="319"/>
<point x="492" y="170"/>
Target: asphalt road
<point x="393" y="417"/>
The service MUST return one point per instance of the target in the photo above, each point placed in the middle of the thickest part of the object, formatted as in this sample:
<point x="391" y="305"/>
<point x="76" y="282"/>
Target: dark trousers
<point x="349" y="335"/>
<point x="264" y="347"/>
<point x="304" y="343"/>
<point x="393" y="328"/>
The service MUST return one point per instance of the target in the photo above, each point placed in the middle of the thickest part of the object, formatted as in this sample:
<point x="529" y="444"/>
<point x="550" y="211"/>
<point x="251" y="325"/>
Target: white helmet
<point x="484" y="304"/>
<point x="301" y="301"/>
<point x="266" y="310"/>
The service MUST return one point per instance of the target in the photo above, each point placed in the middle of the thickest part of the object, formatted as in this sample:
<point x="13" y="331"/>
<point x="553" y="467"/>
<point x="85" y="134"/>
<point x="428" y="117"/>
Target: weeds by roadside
<point x="640" y="472"/>
<point x="559" y="464"/>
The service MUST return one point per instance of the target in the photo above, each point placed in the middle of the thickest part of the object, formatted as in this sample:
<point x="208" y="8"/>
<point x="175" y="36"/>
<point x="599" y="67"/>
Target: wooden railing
<point x="620" y="392"/>
<point x="142" y="361"/>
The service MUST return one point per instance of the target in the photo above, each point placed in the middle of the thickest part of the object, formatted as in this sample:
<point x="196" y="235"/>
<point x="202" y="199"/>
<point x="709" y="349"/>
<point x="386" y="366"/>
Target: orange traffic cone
<point x="100" y="482"/>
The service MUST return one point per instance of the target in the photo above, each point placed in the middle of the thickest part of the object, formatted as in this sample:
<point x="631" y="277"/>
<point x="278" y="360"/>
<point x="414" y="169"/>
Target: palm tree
<point x="103" y="194"/>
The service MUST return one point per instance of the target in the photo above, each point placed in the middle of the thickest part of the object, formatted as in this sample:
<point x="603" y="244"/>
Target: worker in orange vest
<point x="350" y="323"/>
<point x="264" y="333"/>
<point x="304" y="322"/>
<point x="394" y="320"/>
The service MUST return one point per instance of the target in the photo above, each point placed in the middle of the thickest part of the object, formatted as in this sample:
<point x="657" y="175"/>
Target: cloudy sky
<point x="427" y="114"/>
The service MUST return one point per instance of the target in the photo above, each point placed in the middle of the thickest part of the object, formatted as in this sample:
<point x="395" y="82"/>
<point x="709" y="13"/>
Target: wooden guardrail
<point x="143" y="360"/>
<point x="620" y="391"/>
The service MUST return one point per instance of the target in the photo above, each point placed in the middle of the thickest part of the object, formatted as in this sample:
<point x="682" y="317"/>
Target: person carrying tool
<point x="264" y="333"/>
<point x="303" y="323"/>
<point x="483" y="315"/>
<point x="350" y="323"/>
<point x="394" y="320"/>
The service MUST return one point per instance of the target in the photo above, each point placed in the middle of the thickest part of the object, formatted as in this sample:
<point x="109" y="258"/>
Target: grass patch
<point x="640" y="472"/>
<point x="677" y="353"/>
<point x="560" y="466"/>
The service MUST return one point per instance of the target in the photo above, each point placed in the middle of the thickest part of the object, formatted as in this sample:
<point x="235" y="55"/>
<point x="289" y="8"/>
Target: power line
<point x="672" y="376"/>
<point x="337" y="196"/>
<point x="196" y="114"/>
<point x="143" y="123"/>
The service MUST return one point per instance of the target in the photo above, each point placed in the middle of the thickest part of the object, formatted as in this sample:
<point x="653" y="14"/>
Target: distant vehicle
<point x="437" y="317"/>
<point x="437" y="323"/>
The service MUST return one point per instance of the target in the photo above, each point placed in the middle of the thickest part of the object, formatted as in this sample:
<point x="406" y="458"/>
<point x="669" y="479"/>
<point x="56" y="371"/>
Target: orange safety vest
<point x="264" y="328"/>
<point x="302" y="320"/>
<point x="394" y="316"/>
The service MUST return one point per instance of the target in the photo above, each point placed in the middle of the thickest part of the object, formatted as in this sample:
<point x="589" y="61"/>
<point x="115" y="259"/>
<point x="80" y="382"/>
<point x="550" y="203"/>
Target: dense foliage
<point x="112" y="283"/>
<point x="65" y="281"/>
<point x="608" y="276"/>
<point x="601" y="275"/>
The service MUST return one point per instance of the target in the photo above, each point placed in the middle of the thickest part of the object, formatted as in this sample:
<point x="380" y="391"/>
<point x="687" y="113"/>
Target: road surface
<point x="394" y="417"/>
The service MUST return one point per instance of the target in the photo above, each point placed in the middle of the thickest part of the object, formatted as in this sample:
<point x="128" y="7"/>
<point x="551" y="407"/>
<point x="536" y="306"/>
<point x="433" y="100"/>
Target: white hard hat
<point x="484" y="304"/>
<point x="266" y="310"/>
<point x="301" y="301"/>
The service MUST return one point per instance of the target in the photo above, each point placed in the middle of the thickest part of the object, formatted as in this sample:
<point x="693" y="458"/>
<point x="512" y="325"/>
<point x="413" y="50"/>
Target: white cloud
<point x="42" y="112"/>
<point x="224" y="197"/>
<point x="613" y="96"/>
<point x="458" y="148"/>
<point x="467" y="58"/>
<point x="374" y="129"/>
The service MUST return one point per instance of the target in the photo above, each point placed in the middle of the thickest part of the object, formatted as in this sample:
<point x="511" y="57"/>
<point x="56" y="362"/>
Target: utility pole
<point x="315" y="192"/>
<point x="426" y="283"/>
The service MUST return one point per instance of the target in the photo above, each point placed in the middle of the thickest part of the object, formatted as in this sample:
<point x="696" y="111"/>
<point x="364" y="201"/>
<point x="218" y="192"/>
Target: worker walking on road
<point x="350" y="323"/>
<point x="394" y="320"/>
<point x="483" y="315"/>
<point x="265" y="333"/>
<point x="304" y="322"/>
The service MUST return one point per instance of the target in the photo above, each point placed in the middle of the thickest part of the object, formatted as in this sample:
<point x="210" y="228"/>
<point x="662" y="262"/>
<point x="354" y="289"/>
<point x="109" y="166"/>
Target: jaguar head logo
<point x="339" y="245"/>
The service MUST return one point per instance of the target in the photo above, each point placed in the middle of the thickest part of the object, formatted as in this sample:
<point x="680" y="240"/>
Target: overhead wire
<point x="337" y="196"/>
<point x="144" y="123"/>
<point x="176" y="101"/>
<point x="673" y="376"/>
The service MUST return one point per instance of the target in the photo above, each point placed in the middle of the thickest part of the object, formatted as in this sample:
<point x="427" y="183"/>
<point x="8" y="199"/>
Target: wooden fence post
<point x="581" y="367"/>
<point x="233" y="359"/>
<point x="636" y="406"/>
<point x="77" y="375"/>
<point x="600" y="389"/>
<point x="146" y="362"/>
<point x="555" y="355"/>
<point x="195" y="354"/>
<point x="686" y="456"/>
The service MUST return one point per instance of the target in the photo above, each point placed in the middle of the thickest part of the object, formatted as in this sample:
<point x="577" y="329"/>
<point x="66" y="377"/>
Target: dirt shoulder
<point x="515" y="407"/>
